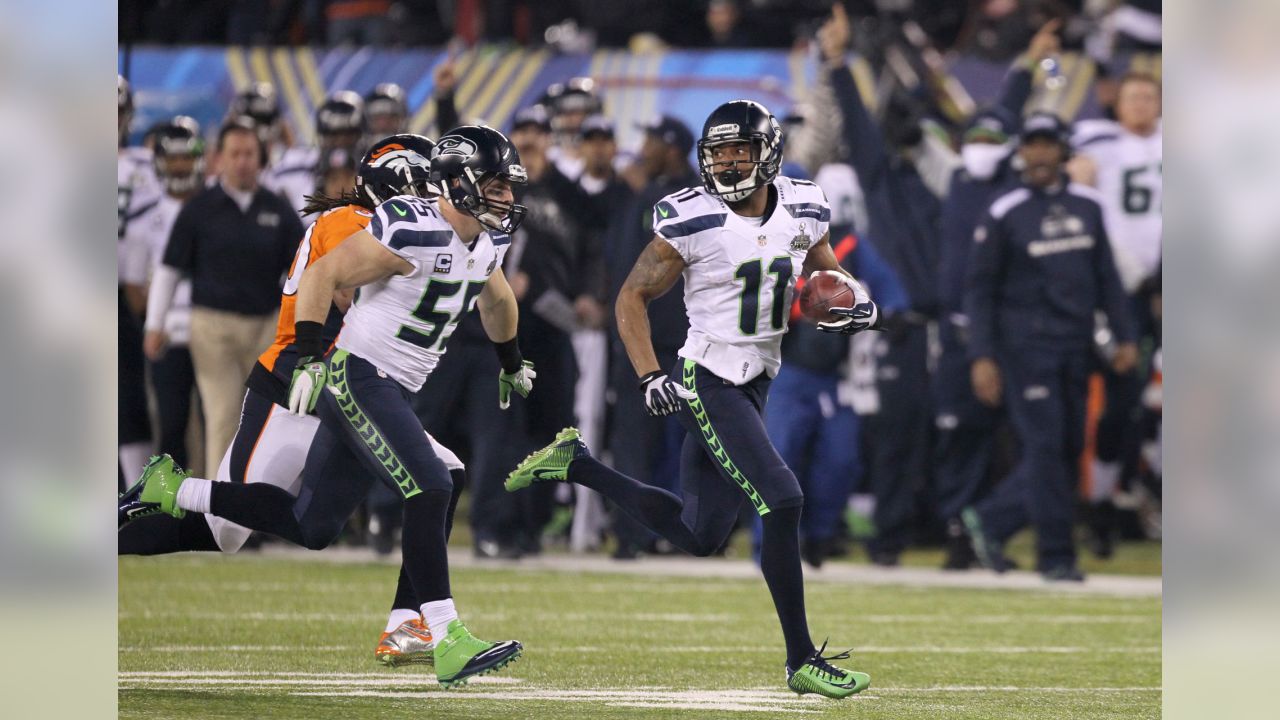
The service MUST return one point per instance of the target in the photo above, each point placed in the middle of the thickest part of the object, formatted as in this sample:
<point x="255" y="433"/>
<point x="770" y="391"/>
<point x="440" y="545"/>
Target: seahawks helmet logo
<point x="454" y="145"/>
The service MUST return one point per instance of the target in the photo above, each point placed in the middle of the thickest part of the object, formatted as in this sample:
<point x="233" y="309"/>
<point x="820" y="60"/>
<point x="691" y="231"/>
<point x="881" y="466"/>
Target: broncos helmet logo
<point x="397" y="157"/>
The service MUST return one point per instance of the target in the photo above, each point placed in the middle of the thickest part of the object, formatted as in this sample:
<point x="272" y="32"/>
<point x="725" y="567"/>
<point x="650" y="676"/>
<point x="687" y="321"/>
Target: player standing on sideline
<point x="1039" y="269"/>
<point x="271" y="444"/>
<point x="339" y="124"/>
<point x="135" y="186"/>
<point x="1123" y="160"/>
<point x="179" y="167"/>
<point x="738" y="241"/>
<point x="420" y="266"/>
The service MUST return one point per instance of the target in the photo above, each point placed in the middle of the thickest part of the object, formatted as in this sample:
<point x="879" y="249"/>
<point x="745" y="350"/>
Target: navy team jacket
<point x="1039" y="266"/>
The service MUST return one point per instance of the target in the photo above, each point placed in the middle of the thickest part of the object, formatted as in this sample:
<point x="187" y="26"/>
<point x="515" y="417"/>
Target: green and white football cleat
<point x="461" y="655"/>
<point x="817" y="675"/>
<point x="549" y="463"/>
<point x="155" y="492"/>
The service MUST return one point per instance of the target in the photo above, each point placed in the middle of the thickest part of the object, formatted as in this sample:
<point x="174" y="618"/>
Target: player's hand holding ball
<point x="662" y="395"/>
<point x="838" y="303"/>
<point x="308" y="377"/>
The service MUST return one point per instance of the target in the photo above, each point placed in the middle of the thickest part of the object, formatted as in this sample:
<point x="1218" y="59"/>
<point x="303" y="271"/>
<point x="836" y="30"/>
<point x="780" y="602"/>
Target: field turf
<point x="279" y="637"/>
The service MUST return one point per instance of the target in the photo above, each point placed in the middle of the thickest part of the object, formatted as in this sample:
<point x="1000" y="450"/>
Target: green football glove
<point x="521" y="381"/>
<point x="309" y="377"/>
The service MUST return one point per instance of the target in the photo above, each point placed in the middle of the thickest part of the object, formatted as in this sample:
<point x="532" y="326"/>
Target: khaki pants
<point x="224" y="347"/>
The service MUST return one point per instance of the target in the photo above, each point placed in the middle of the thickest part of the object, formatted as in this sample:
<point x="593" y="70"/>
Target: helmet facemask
<point x="724" y="178"/>
<point x="495" y="215"/>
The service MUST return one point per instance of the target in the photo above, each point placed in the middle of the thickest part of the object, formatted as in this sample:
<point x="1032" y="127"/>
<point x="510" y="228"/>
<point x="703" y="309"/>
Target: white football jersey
<point x="136" y="185"/>
<point x="1129" y="181"/>
<point x="848" y="203"/>
<point x="294" y="176"/>
<point x="738" y="276"/>
<point x="401" y="324"/>
<point x="144" y="242"/>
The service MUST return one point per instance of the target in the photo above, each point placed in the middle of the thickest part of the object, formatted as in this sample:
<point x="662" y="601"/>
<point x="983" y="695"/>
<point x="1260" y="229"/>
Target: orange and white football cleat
<point x="406" y="645"/>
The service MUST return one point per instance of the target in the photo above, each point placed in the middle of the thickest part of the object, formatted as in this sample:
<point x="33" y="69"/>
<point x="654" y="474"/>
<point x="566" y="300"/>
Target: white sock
<point x="438" y="614"/>
<point x="133" y="457"/>
<point x="1106" y="478"/>
<point x="399" y="617"/>
<point x="193" y="495"/>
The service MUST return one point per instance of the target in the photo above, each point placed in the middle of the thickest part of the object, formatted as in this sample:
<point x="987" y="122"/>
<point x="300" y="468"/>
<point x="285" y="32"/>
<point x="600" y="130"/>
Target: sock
<point x="459" y="478"/>
<point x="438" y="614"/>
<point x="653" y="507"/>
<point x="257" y="506"/>
<point x="134" y="457"/>
<point x="780" y="563"/>
<point x="424" y="551"/>
<point x="400" y="617"/>
<point x="1105" y="479"/>
<point x="162" y="534"/>
<point x="193" y="495"/>
<point x="406" y="598"/>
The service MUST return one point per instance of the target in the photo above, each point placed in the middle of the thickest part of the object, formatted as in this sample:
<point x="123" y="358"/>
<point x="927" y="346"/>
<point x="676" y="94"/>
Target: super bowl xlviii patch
<point x="444" y="263"/>
<point x="801" y="241"/>
<point x="492" y="264"/>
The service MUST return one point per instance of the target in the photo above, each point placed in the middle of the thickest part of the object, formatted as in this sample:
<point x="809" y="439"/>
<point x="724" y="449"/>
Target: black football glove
<point x="662" y="395"/>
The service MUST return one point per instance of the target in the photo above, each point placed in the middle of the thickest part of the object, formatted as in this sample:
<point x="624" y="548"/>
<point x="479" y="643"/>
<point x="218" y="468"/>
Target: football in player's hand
<point x="824" y="290"/>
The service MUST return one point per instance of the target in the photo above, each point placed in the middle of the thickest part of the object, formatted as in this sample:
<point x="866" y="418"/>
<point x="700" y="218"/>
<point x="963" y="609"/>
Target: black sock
<point x="257" y="506"/>
<point x="162" y="534"/>
<point x="406" y="598"/>
<point x="651" y="506"/>
<point x="459" y="478"/>
<point x="423" y="545"/>
<point x="780" y="563"/>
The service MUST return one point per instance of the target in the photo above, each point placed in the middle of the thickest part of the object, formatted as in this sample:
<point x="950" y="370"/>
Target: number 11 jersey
<point x="740" y="272"/>
<point x="402" y="323"/>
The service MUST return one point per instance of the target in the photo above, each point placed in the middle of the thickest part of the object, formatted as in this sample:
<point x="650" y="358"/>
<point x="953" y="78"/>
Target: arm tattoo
<point x="653" y="275"/>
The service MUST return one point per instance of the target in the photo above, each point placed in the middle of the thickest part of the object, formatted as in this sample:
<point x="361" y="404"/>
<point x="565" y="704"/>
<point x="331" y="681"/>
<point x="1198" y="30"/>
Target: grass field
<point x="265" y="636"/>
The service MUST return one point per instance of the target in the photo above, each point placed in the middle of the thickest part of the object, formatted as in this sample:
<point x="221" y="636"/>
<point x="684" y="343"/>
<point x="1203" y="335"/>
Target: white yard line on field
<point x="840" y="573"/>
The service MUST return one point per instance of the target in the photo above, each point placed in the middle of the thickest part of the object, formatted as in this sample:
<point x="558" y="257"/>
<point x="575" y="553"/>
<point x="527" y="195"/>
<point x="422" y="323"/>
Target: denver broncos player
<point x="419" y="266"/>
<point x="271" y="443"/>
<point x="739" y="241"/>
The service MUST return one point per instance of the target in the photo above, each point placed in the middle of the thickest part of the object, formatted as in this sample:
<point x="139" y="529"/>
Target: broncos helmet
<point x="734" y="122"/>
<point x="386" y="109"/>
<point x="341" y="114"/>
<point x="176" y="139"/>
<point x="474" y="155"/>
<point x="395" y="165"/>
<point x="124" y="107"/>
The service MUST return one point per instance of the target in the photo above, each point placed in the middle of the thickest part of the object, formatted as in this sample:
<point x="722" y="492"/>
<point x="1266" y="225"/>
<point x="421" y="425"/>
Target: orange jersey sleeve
<point x="325" y="233"/>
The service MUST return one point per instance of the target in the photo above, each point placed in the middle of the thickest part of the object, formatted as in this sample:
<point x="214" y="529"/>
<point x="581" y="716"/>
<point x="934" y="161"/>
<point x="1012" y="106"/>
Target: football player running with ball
<point x="420" y="266"/>
<point x="739" y="241"/>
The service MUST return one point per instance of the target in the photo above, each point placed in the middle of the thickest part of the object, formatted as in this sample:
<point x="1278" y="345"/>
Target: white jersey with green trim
<point x="401" y="324"/>
<point x="1131" y="184"/>
<point x="740" y="272"/>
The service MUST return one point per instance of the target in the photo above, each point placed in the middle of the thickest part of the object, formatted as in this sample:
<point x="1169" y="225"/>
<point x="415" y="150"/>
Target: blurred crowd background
<point x="908" y="116"/>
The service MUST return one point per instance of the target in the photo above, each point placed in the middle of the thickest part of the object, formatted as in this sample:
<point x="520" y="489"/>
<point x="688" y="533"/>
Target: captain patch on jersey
<point x="398" y="319"/>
